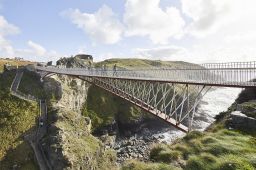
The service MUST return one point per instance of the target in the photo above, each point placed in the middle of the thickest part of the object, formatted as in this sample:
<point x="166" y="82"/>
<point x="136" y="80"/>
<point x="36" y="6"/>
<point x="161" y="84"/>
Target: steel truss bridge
<point x="172" y="94"/>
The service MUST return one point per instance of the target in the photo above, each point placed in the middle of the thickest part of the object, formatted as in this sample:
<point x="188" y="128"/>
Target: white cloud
<point x="146" y="18"/>
<point x="248" y="37"/>
<point x="103" y="26"/>
<point x="7" y="28"/>
<point x="163" y="53"/>
<point x="208" y="15"/>
<point x="203" y="53"/>
<point x="36" y="52"/>
<point x="224" y="30"/>
<point x="36" y="48"/>
<point x="211" y="16"/>
<point x="200" y="53"/>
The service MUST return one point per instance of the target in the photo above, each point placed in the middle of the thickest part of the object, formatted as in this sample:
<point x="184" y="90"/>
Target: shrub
<point x="208" y="139"/>
<point x="248" y="108"/>
<point x="220" y="116"/>
<point x="247" y="95"/>
<point x="204" y="161"/>
<point x="195" y="163"/>
<point x="229" y="132"/>
<point x="193" y="135"/>
<point x="208" y="158"/>
<point x="185" y="151"/>
<point x="217" y="149"/>
<point x="162" y="153"/>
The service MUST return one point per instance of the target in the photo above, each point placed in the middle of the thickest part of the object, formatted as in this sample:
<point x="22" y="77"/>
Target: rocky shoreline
<point x="137" y="146"/>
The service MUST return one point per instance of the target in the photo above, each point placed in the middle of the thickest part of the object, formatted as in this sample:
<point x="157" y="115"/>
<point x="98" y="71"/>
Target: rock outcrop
<point x="239" y="120"/>
<point x="73" y="93"/>
<point x="69" y="143"/>
<point x="71" y="146"/>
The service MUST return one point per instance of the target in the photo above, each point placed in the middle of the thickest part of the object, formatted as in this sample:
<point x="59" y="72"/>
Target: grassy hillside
<point x="143" y="63"/>
<point x="30" y="84"/>
<point x="16" y="118"/>
<point x="12" y="62"/>
<point x="217" y="148"/>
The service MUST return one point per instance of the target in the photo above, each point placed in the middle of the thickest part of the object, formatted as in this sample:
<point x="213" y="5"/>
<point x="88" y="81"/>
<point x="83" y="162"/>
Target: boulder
<point x="240" y="121"/>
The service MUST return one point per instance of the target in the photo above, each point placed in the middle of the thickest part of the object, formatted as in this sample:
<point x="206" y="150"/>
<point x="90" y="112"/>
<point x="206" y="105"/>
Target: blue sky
<point x="198" y="31"/>
<point x="41" y="22"/>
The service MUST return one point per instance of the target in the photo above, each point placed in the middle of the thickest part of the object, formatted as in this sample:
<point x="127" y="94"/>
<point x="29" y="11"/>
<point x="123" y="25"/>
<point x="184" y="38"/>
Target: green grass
<point x="210" y="150"/>
<point x="162" y="153"/>
<point x="30" y="84"/>
<point x="143" y="63"/>
<point x="100" y="107"/>
<point x="136" y="165"/>
<point x="16" y="118"/>
<point x="12" y="62"/>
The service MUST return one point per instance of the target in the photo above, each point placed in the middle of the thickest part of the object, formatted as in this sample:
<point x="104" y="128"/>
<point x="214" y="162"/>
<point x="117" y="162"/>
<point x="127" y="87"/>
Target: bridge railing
<point x="230" y="74"/>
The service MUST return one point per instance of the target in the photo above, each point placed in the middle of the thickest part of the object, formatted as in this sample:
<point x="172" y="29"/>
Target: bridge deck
<point x="220" y="74"/>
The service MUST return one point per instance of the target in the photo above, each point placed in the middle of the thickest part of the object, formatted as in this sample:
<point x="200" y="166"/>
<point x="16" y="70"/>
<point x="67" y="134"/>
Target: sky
<point x="199" y="31"/>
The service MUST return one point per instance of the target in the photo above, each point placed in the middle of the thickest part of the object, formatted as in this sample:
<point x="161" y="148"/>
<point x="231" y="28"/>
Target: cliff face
<point x="69" y="143"/>
<point x="71" y="146"/>
<point x="73" y="93"/>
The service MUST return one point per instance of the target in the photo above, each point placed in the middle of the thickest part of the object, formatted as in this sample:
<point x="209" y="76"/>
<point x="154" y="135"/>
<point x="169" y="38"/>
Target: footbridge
<point x="172" y="94"/>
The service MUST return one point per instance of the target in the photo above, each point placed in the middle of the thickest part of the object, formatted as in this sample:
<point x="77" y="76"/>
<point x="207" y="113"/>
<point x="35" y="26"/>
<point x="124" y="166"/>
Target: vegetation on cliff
<point x="220" y="147"/>
<point x="30" y="84"/>
<point x="17" y="117"/>
<point x="76" y="148"/>
<point x="104" y="108"/>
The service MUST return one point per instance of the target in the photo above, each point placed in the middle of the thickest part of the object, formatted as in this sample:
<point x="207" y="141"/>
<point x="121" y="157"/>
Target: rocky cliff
<point x="73" y="93"/>
<point x="69" y="143"/>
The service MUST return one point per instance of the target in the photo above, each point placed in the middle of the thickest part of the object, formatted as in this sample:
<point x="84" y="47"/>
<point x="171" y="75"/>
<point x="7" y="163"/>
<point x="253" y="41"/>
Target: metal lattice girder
<point x="172" y="103"/>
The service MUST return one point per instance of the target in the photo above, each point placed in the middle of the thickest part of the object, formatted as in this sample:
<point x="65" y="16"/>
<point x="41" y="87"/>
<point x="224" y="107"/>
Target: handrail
<point x="222" y="74"/>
